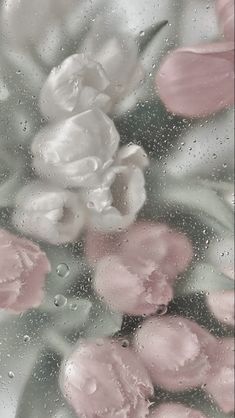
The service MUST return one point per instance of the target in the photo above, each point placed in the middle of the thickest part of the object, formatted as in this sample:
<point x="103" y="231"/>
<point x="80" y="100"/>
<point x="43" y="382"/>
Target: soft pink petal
<point x="198" y="81"/>
<point x="225" y="11"/>
<point x="222" y="306"/>
<point x="23" y="267"/>
<point x="98" y="245"/>
<point x="102" y="379"/>
<point x="168" y="249"/>
<point x="9" y="292"/>
<point x="175" y="410"/>
<point x="220" y="382"/>
<point x="175" y="351"/>
<point x="134" y="290"/>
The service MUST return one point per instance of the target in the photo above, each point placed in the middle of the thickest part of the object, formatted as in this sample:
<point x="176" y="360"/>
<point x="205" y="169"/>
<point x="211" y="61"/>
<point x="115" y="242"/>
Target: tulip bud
<point x="76" y="85"/>
<point x="222" y="306"/>
<point x="77" y="151"/>
<point x="134" y="289"/>
<point x="175" y="351"/>
<point x="23" y="267"/>
<point x="49" y="213"/>
<point x="220" y="382"/>
<point x="103" y="379"/>
<point x="118" y="54"/>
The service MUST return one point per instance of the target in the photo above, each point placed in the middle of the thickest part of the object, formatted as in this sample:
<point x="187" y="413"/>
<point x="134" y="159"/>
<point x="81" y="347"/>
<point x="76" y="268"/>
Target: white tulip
<point x="115" y="204"/>
<point x="77" y="151"/>
<point x="78" y="84"/>
<point x="49" y="213"/>
<point x="117" y="52"/>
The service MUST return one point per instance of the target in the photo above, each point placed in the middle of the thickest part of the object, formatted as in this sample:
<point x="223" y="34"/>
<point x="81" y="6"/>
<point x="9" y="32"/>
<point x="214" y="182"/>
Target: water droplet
<point x="161" y="310"/>
<point x="62" y="270"/>
<point x="26" y="338"/>
<point x="142" y="33"/>
<point x="73" y="306"/>
<point x="11" y="374"/>
<point x="90" y="205"/>
<point x="125" y="343"/>
<point x="60" y="300"/>
<point x="214" y="156"/>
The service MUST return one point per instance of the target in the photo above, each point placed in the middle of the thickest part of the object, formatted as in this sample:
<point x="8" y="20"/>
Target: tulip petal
<point x="222" y="306"/>
<point x="197" y="81"/>
<point x="225" y="11"/>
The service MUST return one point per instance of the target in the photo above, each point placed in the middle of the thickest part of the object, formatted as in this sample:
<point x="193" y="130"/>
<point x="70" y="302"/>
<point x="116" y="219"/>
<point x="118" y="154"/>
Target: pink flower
<point x="175" y="410"/>
<point x="220" y="383"/>
<point x="136" y="269"/>
<point x="103" y="379"/>
<point x="133" y="288"/>
<point x="222" y="306"/>
<point x="23" y="269"/>
<point x="197" y="81"/>
<point x="176" y="352"/>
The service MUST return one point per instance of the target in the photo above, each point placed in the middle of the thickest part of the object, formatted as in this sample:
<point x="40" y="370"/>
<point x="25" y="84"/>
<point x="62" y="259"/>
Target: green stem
<point x="148" y="35"/>
<point x="57" y="343"/>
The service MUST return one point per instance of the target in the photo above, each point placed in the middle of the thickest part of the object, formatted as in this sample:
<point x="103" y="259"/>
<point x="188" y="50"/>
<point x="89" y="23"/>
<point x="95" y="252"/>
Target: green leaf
<point x="203" y="278"/>
<point x="73" y="316"/>
<point x="201" y="202"/>
<point x="103" y="322"/>
<point x="41" y="397"/>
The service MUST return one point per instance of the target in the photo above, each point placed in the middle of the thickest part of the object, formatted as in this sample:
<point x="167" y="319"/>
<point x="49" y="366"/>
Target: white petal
<point x="76" y="151"/>
<point x="132" y="155"/>
<point x="128" y="197"/>
<point x="98" y="199"/>
<point x="48" y="213"/>
<point x="118" y="54"/>
<point x="78" y="84"/>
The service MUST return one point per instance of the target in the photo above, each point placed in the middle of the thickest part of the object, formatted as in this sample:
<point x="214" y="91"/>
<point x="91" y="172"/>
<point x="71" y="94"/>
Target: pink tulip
<point x="134" y="288"/>
<point x="167" y="249"/>
<point x="198" y="81"/>
<point x="220" y="383"/>
<point x="102" y="379"/>
<point x="174" y="410"/>
<point x="175" y="351"/>
<point x="136" y="269"/>
<point x="23" y="267"/>
<point x="222" y="306"/>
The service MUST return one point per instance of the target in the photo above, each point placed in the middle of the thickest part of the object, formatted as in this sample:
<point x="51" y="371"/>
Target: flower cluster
<point x="103" y="378"/>
<point x="86" y="179"/>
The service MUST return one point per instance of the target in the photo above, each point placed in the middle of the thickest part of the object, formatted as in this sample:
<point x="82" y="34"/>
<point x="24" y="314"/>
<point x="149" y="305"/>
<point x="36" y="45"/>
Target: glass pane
<point x="116" y="208"/>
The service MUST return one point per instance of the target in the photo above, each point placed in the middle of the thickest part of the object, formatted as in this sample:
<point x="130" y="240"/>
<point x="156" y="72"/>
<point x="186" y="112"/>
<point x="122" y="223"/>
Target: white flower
<point x="75" y="152"/>
<point x="115" y="203"/>
<point x="78" y="84"/>
<point x="117" y="52"/>
<point x="49" y="213"/>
